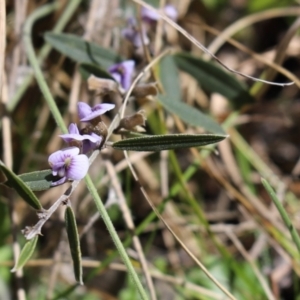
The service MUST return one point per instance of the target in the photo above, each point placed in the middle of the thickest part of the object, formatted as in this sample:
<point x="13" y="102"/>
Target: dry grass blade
<point x="192" y="256"/>
<point x="255" y="269"/>
<point x="249" y="20"/>
<point x="256" y="56"/>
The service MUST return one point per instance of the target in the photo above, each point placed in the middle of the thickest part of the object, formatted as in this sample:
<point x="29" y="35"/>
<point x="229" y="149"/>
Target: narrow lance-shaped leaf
<point x="169" y="76"/>
<point x="20" y="186"/>
<point x="25" y="254"/>
<point x="74" y="243"/>
<point x="191" y="115"/>
<point x="214" y="79"/>
<point x="167" y="142"/>
<point x="82" y="51"/>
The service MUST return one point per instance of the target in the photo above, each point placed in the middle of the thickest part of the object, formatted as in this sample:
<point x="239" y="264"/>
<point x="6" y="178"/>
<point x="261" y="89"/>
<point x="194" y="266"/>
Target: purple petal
<point x="128" y="72"/>
<point x="103" y="107"/>
<point x="91" y="116"/>
<point x="125" y="71"/>
<point x="59" y="182"/>
<point x="152" y="16"/>
<point x="83" y="110"/>
<point x="117" y="77"/>
<point x="133" y="35"/>
<point x="68" y="137"/>
<point x="58" y="158"/>
<point x="78" y="167"/>
<point x="73" y="128"/>
<point x="56" y="168"/>
<point x="171" y="12"/>
<point x="97" y="111"/>
<point x="149" y="15"/>
<point x="88" y="145"/>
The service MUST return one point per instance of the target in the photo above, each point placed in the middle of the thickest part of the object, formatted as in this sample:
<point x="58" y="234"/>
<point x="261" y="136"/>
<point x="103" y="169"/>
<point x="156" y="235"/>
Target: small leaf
<point x="25" y="254"/>
<point x="80" y="50"/>
<point x="169" y="76"/>
<point x="167" y="142"/>
<point x="38" y="180"/>
<point x="87" y="69"/>
<point x="214" y="79"/>
<point x="74" y="243"/>
<point x="190" y="115"/>
<point x="22" y="189"/>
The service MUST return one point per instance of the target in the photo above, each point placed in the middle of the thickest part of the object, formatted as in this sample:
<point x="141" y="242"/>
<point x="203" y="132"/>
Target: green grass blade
<point x="283" y="213"/>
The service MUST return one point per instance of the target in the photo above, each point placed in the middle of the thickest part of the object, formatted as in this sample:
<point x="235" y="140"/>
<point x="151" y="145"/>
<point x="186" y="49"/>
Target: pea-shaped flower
<point x="87" y="113"/>
<point x="132" y="34"/>
<point x="88" y="141"/>
<point x="122" y="73"/>
<point x="68" y="164"/>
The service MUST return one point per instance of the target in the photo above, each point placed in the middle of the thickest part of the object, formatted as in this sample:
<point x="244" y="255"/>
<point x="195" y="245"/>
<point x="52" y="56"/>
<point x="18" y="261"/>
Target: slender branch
<point x="115" y="237"/>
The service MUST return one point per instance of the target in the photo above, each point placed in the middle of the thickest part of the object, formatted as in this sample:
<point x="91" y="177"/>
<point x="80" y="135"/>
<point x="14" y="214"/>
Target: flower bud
<point x="102" y="86"/>
<point x="133" y="122"/>
<point x="144" y="90"/>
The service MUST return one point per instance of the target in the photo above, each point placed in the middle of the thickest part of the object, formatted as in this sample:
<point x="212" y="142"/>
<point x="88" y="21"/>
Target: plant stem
<point x="115" y="237"/>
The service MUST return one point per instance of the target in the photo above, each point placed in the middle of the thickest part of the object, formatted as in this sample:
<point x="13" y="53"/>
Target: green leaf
<point x="25" y="254"/>
<point x="190" y="115"/>
<point x="80" y="50"/>
<point x="214" y="79"/>
<point x="87" y="69"/>
<point x="169" y="77"/>
<point x="167" y="142"/>
<point x="74" y="243"/>
<point x="22" y="189"/>
<point x="38" y="180"/>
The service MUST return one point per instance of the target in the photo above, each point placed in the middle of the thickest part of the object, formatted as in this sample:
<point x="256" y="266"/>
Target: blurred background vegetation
<point x="213" y="200"/>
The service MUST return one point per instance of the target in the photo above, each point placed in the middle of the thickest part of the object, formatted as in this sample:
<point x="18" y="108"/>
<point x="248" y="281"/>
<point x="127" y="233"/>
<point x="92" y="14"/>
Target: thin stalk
<point x="115" y="237"/>
<point x="283" y="213"/>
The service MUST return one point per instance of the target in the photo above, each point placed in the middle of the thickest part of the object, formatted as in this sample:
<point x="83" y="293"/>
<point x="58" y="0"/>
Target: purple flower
<point x="89" y="141"/>
<point x="68" y="164"/>
<point x="122" y="73"/>
<point x="87" y="113"/>
<point x="152" y="16"/>
<point x="132" y="33"/>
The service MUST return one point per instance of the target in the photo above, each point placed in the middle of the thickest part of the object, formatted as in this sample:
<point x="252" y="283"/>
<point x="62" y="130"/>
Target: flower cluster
<point x="149" y="17"/>
<point x="72" y="163"/>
